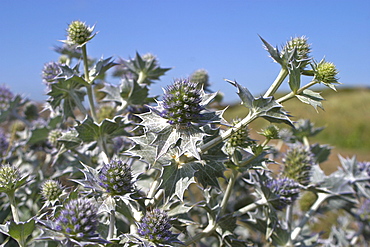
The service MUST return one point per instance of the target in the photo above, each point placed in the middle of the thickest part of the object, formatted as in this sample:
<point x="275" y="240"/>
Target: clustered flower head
<point x="50" y="71"/>
<point x="364" y="166"/>
<point x="181" y="103"/>
<point x="271" y="132"/>
<point x="51" y="190"/>
<point x="298" y="161"/>
<point x="79" y="33"/>
<point x="200" y="77"/>
<point x="53" y="136"/>
<point x="9" y="177"/>
<point x="155" y="227"/>
<point x="239" y="138"/>
<point x="116" y="178"/>
<point x="286" y="189"/>
<point x="326" y="73"/>
<point x="78" y="219"/>
<point x="5" y="97"/>
<point x="301" y="45"/>
<point x="4" y="143"/>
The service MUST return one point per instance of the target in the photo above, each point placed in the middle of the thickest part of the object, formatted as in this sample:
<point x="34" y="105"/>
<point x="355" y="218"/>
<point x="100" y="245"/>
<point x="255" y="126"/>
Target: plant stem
<point x="250" y="207"/>
<point x="292" y="94"/>
<point x="112" y="225"/>
<point x="276" y="84"/>
<point x="228" y="191"/>
<point x="13" y="205"/>
<point x="208" y="230"/>
<point x="320" y="199"/>
<point x="153" y="189"/>
<point x="89" y="86"/>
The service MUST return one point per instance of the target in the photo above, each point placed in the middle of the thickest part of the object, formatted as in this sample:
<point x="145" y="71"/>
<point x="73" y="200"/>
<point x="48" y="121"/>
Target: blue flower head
<point x="50" y="71"/>
<point x="286" y="191"/>
<point x="155" y="227"/>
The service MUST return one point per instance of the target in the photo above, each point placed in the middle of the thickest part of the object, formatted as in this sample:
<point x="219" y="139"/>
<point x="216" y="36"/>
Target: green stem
<point x="299" y="91"/>
<point x="153" y="189"/>
<point x="112" y="225"/>
<point x="228" y="191"/>
<point x="207" y="231"/>
<point x="278" y="81"/>
<point x="250" y="207"/>
<point x="89" y="86"/>
<point x="320" y="199"/>
<point x="13" y="206"/>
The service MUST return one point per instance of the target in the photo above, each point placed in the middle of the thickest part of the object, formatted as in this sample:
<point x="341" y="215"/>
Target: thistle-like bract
<point x="285" y="189"/>
<point x="155" y="227"/>
<point x="79" y="33"/>
<point x="9" y="177"/>
<point x="5" y="97"/>
<point x="298" y="161"/>
<point x="50" y="71"/>
<point x="116" y="178"/>
<point x="78" y="220"/>
<point x="181" y="103"/>
<point x="326" y="73"/>
<point x="271" y="132"/>
<point x="51" y="190"/>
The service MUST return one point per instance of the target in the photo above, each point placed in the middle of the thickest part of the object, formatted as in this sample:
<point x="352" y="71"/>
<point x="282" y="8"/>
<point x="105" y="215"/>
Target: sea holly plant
<point x="103" y="164"/>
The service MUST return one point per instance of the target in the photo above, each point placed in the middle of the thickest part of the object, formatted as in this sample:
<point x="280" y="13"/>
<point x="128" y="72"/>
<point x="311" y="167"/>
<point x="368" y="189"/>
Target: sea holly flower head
<point x="240" y="138"/>
<point x="78" y="220"/>
<point x="200" y="77"/>
<point x="326" y="73"/>
<point x="270" y="132"/>
<point x="79" y="33"/>
<point x="181" y="103"/>
<point x="50" y="71"/>
<point x="6" y="97"/>
<point x="10" y="178"/>
<point x="116" y="178"/>
<point x="53" y="136"/>
<point x="297" y="162"/>
<point x="301" y="45"/>
<point x="286" y="191"/>
<point x="51" y="190"/>
<point x="155" y="226"/>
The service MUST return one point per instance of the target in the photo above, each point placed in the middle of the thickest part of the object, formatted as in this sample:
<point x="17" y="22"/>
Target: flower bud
<point x="326" y="73"/>
<point x="286" y="191"/>
<point x="5" y="98"/>
<point x="298" y="161"/>
<point x="79" y="33"/>
<point x="200" y="77"/>
<point x="78" y="219"/>
<point x="9" y="178"/>
<point x="53" y="136"/>
<point x="181" y="103"/>
<point x="116" y="178"/>
<point x="155" y="227"/>
<point x="239" y="138"/>
<point x="50" y="71"/>
<point x="271" y="132"/>
<point x="302" y="47"/>
<point x="51" y="190"/>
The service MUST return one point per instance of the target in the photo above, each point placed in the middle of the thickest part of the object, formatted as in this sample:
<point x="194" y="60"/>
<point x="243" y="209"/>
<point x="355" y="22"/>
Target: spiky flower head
<point x="155" y="226"/>
<point x="286" y="191"/>
<point x="200" y="77"/>
<point x="116" y="178"/>
<point x="5" y="98"/>
<point x="298" y="161"/>
<point x="51" y="190"/>
<point x="53" y="136"/>
<point x="78" y="220"/>
<point x="181" y="103"/>
<point x="50" y="71"/>
<point x="270" y="132"/>
<point x="79" y="33"/>
<point x="326" y="73"/>
<point x="364" y="167"/>
<point x="9" y="178"/>
<point x="4" y="143"/>
<point x="301" y="45"/>
<point x="239" y="138"/>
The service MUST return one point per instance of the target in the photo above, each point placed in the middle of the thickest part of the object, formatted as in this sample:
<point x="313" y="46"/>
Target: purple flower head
<point x="4" y="143"/>
<point x="5" y="98"/>
<point x="50" y="71"/>
<point x="182" y="103"/>
<point x="155" y="226"/>
<point x="286" y="191"/>
<point x="78" y="219"/>
<point x="116" y="178"/>
<point x="364" y="166"/>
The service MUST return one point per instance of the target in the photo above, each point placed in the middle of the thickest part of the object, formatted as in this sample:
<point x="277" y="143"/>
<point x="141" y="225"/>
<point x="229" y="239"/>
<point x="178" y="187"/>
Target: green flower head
<point x="79" y="33"/>
<point x="9" y="178"/>
<point x="51" y="190"/>
<point x="301" y="45"/>
<point x="326" y="73"/>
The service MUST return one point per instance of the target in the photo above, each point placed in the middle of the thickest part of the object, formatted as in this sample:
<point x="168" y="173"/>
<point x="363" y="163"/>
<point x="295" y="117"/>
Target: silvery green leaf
<point x="176" y="179"/>
<point x="38" y="135"/>
<point x="269" y="109"/>
<point x="70" y="139"/>
<point x="71" y="74"/>
<point x="19" y="231"/>
<point x="209" y="170"/>
<point x="132" y="92"/>
<point x="274" y="52"/>
<point x="244" y="94"/>
<point x="321" y="152"/>
<point x="311" y="98"/>
<point x="294" y="77"/>
<point x="100" y="68"/>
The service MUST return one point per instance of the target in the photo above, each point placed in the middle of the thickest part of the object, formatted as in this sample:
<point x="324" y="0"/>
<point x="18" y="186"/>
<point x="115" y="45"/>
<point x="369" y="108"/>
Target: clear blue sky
<point x="219" y="36"/>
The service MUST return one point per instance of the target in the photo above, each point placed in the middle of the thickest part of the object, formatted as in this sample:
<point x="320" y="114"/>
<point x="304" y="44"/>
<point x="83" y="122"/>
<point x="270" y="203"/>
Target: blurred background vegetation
<point x="346" y="118"/>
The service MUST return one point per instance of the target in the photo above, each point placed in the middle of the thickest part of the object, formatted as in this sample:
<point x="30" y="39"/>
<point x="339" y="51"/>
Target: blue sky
<point x="219" y="36"/>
